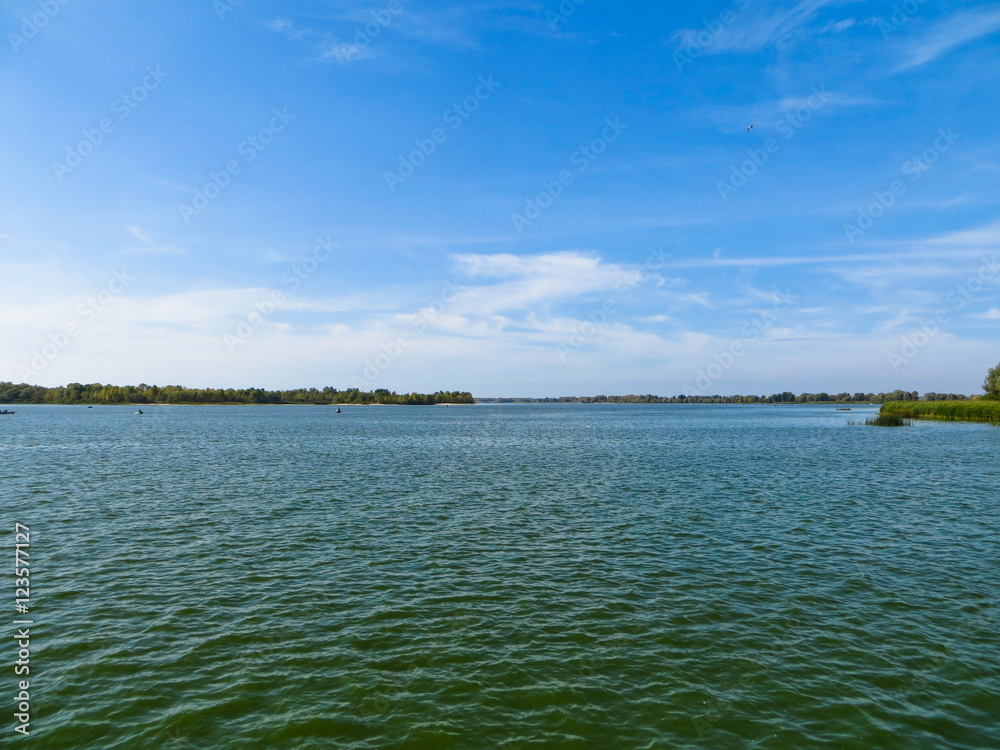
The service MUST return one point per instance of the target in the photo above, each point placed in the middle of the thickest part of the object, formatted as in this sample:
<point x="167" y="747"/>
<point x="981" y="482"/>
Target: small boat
<point x="139" y="412"/>
<point x="90" y="407"/>
<point x="6" y="412"/>
<point x="339" y="411"/>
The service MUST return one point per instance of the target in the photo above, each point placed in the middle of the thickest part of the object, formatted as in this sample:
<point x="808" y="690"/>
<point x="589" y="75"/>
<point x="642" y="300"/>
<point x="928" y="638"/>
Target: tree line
<point x="777" y="398"/>
<point x="97" y="393"/>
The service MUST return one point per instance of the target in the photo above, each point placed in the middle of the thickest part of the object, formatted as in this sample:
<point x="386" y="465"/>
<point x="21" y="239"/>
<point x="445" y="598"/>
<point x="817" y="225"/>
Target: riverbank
<point x="952" y="411"/>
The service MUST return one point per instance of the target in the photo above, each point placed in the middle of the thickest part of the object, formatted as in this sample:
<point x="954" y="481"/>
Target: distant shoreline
<point x="787" y="397"/>
<point x="97" y="394"/>
<point x="206" y="403"/>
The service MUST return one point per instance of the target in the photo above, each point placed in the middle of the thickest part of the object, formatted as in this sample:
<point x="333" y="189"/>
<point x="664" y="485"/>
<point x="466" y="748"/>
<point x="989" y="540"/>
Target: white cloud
<point x="752" y="34"/>
<point x="950" y="33"/>
<point x="985" y="237"/>
<point x="137" y="232"/>
<point x="503" y="328"/>
<point x="150" y="248"/>
<point x="459" y="325"/>
<point x="798" y="260"/>
<point x="138" y="340"/>
<point x="344" y="52"/>
<point x="769" y="114"/>
<point x="904" y="317"/>
<point x="154" y="250"/>
<point x="507" y="265"/>
<point x="531" y="281"/>
<point x="839" y="26"/>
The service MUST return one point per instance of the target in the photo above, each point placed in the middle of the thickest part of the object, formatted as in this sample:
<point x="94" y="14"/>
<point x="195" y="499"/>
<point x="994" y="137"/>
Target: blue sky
<point x="514" y="198"/>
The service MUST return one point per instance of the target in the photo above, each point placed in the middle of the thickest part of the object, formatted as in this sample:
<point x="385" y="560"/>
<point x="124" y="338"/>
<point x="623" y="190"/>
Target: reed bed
<point x="885" y="420"/>
<point x="953" y="411"/>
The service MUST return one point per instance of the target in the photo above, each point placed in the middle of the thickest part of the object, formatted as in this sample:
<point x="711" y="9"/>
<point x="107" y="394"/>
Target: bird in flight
<point x="750" y="128"/>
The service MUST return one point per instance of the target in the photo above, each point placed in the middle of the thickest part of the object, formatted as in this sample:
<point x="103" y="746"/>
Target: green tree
<point x="992" y="383"/>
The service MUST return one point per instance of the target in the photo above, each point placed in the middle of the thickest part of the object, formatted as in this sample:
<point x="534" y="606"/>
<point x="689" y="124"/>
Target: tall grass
<point x="888" y="420"/>
<point x="955" y="411"/>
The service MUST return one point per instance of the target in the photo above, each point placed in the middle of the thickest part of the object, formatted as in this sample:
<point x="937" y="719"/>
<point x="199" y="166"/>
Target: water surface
<point x="515" y="576"/>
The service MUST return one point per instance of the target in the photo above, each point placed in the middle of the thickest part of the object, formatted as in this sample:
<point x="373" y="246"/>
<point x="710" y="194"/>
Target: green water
<point x="504" y="577"/>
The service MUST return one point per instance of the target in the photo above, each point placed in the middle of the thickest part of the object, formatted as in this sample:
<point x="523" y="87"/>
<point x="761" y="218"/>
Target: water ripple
<point x="500" y="577"/>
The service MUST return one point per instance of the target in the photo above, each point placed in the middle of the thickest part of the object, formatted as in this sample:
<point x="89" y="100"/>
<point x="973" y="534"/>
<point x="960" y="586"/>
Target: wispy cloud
<point x="342" y="48"/>
<point x="344" y="52"/>
<point x="799" y="260"/>
<point x="902" y="319"/>
<point x="150" y="247"/>
<point x="986" y="237"/>
<point x="352" y="32"/>
<point x="137" y="232"/>
<point x="771" y="112"/>
<point x="529" y="281"/>
<point x="154" y="250"/>
<point x="836" y="27"/>
<point x="949" y="34"/>
<point x="752" y="33"/>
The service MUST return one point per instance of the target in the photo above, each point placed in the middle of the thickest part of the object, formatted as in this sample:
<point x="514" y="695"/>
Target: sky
<point x="511" y="198"/>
